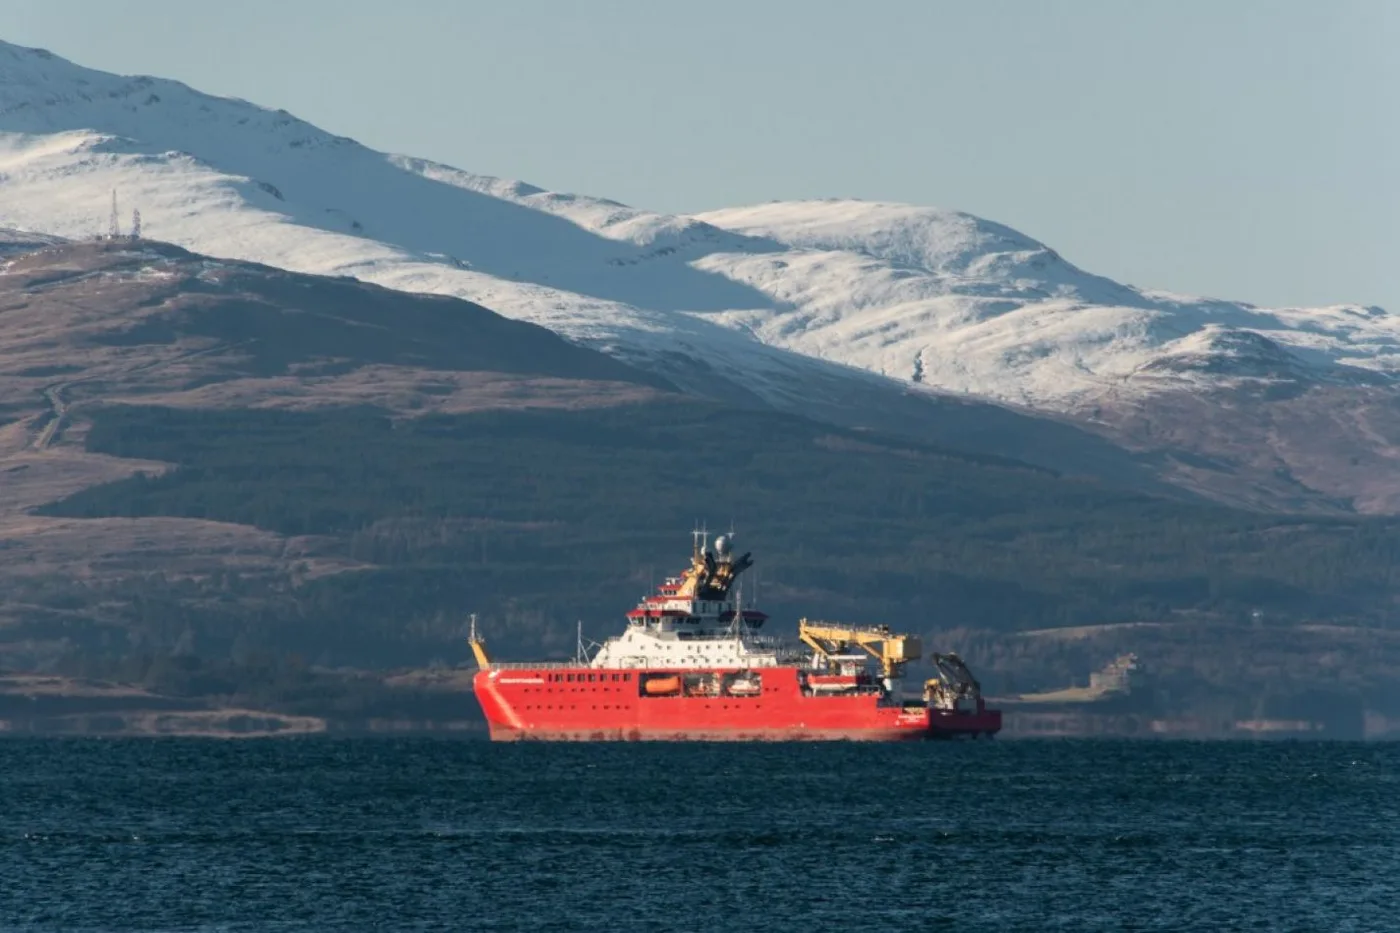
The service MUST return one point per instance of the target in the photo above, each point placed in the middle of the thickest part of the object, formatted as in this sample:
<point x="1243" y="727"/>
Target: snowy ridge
<point x="962" y="304"/>
<point x="768" y="300"/>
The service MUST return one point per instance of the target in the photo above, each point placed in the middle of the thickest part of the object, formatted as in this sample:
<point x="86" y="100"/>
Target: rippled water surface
<point x="294" y="835"/>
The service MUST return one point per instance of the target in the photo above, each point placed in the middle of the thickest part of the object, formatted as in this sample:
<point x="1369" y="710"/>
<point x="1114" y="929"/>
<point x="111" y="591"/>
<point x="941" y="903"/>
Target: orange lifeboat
<point x="662" y="686"/>
<point x="745" y="687"/>
<point x="832" y="683"/>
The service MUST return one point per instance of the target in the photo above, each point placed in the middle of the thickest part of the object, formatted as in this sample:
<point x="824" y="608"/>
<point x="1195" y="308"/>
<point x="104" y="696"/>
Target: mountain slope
<point x="23" y="241"/>
<point x="1298" y="408"/>
<point x="103" y="322"/>
<point x="954" y="301"/>
<point x="86" y="327"/>
<point x="886" y="316"/>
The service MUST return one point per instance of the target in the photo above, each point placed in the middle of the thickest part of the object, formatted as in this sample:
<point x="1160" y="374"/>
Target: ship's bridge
<point x="694" y="621"/>
<point x="679" y="613"/>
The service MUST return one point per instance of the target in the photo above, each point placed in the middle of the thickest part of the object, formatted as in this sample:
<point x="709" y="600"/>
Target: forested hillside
<point x="536" y="519"/>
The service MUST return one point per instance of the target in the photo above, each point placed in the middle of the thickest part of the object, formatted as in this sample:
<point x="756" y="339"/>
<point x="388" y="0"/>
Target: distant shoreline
<point x="225" y="724"/>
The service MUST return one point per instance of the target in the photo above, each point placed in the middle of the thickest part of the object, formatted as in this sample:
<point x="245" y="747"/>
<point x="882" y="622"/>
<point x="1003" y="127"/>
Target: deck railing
<point x="642" y="664"/>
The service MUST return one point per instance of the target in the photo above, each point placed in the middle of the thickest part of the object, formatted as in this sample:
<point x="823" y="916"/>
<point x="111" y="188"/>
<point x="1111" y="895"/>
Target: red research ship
<point x="692" y="666"/>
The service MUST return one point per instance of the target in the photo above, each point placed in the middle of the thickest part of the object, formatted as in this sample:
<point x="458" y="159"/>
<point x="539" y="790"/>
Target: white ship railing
<point x="782" y="647"/>
<point x="642" y="663"/>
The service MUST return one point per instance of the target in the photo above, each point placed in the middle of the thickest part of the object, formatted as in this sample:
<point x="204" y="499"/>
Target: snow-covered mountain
<point x="838" y="308"/>
<point x="227" y="178"/>
<point x="953" y="301"/>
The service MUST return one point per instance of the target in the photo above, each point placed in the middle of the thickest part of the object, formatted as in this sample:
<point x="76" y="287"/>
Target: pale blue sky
<point x="1244" y="149"/>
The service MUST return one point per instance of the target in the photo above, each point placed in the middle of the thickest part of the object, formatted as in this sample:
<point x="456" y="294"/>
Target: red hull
<point x="588" y="704"/>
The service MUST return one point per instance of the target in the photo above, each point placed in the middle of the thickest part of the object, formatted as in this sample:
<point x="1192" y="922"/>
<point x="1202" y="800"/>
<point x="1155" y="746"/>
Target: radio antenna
<point x="114" y="223"/>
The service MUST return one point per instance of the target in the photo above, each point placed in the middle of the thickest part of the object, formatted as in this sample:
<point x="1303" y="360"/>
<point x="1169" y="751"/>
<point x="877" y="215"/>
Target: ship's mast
<point x="478" y="646"/>
<point x="700" y="539"/>
<point x="737" y="626"/>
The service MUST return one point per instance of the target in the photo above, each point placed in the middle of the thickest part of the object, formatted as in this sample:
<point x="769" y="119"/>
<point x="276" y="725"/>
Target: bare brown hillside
<point x="83" y="325"/>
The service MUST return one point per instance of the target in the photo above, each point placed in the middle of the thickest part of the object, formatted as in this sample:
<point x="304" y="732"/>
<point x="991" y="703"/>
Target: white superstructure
<point x="695" y="621"/>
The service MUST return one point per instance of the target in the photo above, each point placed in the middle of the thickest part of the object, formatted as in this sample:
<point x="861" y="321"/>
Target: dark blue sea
<point x="389" y="834"/>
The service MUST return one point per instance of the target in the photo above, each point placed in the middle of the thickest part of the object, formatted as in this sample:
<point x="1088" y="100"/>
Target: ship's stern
<point x="970" y="722"/>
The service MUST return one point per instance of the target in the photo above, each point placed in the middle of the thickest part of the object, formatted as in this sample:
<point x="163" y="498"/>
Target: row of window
<point x="588" y="678"/>
<point x="742" y="706"/>
<point x="571" y="706"/>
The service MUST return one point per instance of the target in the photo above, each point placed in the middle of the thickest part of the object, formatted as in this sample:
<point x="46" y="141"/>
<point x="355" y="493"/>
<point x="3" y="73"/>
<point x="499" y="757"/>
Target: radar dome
<point x="721" y="545"/>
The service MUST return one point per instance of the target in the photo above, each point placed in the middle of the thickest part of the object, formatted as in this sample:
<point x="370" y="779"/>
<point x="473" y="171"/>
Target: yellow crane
<point x="892" y="651"/>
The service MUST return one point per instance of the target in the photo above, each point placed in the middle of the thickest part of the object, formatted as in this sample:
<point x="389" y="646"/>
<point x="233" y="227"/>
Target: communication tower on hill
<point x="136" y="225"/>
<point x="114" y="224"/>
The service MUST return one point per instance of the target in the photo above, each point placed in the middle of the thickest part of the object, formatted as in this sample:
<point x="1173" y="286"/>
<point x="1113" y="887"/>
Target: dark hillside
<point x="538" y="518"/>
